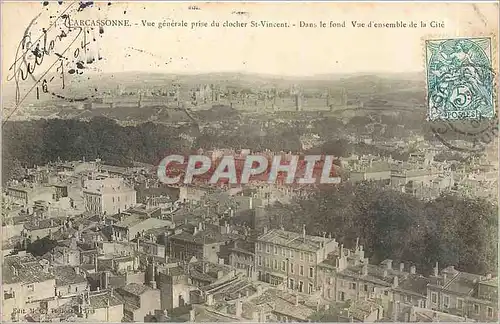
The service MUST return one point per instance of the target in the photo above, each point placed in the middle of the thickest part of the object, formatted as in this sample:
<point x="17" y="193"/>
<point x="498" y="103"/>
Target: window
<point x="476" y="308"/>
<point x="31" y="287"/>
<point x="292" y="268"/>
<point x="275" y="249"/>
<point x="292" y="284"/>
<point x="275" y="264"/>
<point x="268" y="248"/>
<point x="301" y="286"/>
<point x="8" y="294"/>
<point x="460" y="303"/>
<point x="260" y="260"/>
<point x="301" y="270"/>
<point x="291" y="253"/>
<point x="330" y="280"/>
<point x="283" y="251"/>
<point x="301" y="256"/>
<point x="446" y="301"/>
<point x="311" y="272"/>
<point x="259" y="246"/>
<point x="408" y="298"/>
<point x="310" y="288"/>
<point x="490" y="312"/>
<point x="266" y="260"/>
<point x="434" y="298"/>
<point x="365" y="288"/>
<point x="329" y="293"/>
<point x="283" y="266"/>
<point x="311" y="257"/>
<point x="352" y="285"/>
<point x="341" y="283"/>
<point x="386" y="293"/>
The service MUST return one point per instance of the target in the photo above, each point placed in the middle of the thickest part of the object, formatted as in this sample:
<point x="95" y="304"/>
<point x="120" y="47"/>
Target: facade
<point x="291" y="258"/>
<point x="25" y="283"/>
<point x="108" y="196"/>
<point x="139" y="301"/>
<point x="463" y="294"/>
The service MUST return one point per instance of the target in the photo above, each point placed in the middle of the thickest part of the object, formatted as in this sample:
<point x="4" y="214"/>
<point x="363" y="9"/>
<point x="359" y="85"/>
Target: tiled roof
<point x="135" y="289"/>
<point x="25" y="269"/>
<point x="66" y="275"/>
<point x="293" y="240"/>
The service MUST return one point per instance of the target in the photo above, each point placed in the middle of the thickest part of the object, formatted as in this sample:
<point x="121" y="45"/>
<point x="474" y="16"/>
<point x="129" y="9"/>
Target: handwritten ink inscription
<point x="52" y="53"/>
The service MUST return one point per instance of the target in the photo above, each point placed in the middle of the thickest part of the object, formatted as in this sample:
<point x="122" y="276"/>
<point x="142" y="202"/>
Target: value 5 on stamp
<point x="460" y="79"/>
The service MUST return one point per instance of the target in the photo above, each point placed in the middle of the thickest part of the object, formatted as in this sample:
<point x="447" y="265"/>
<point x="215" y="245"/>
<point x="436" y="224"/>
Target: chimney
<point x="192" y="315"/>
<point x="445" y="277"/>
<point x="200" y="226"/>
<point x="385" y="273"/>
<point x="365" y="269"/>
<point x="95" y="263"/>
<point x="296" y="300"/>
<point x="77" y="271"/>
<point x="401" y="267"/>
<point x="436" y="270"/>
<point x="488" y="276"/>
<point x="265" y="229"/>
<point x="239" y="308"/>
<point x="152" y="283"/>
<point x="389" y="264"/>
<point x="413" y="270"/>
<point x="304" y="231"/>
<point x="395" y="282"/>
<point x="341" y="250"/>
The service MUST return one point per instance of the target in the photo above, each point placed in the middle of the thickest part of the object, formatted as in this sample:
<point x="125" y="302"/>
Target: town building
<point x="108" y="196"/>
<point x="291" y="258"/>
<point x="463" y="294"/>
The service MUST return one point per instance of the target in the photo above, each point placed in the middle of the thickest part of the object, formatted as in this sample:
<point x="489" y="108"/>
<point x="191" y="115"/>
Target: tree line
<point x="451" y="230"/>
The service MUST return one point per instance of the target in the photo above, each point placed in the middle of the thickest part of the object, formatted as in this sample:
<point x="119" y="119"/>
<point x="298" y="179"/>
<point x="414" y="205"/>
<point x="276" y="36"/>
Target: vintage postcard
<point x="249" y="162"/>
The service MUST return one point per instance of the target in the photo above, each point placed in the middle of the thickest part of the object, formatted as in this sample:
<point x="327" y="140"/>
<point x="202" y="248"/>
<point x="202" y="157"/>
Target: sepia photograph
<point x="249" y="162"/>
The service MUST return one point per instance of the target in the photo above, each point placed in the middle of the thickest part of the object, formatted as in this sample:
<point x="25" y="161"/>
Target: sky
<point x="278" y="51"/>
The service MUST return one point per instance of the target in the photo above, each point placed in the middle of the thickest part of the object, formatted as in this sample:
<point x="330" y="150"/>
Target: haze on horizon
<point x="292" y="52"/>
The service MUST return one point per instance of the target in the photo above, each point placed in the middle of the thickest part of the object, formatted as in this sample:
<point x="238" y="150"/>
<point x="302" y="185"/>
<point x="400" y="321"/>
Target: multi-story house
<point x="289" y="258"/>
<point x="25" y="283"/>
<point x="464" y="294"/>
<point x="108" y="196"/>
<point x="203" y="242"/>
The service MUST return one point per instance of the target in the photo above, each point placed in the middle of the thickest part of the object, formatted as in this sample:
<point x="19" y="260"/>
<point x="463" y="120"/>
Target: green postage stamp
<point x="460" y="79"/>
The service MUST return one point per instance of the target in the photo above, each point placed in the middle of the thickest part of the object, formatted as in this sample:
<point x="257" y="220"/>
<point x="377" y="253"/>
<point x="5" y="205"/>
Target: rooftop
<point x="24" y="269"/>
<point x="135" y="289"/>
<point x="294" y="240"/>
<point x="66" y="275"/>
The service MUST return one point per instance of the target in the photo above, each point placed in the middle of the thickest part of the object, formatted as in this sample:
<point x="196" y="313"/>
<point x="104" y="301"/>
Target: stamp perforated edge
<point x="492" y="35"/>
